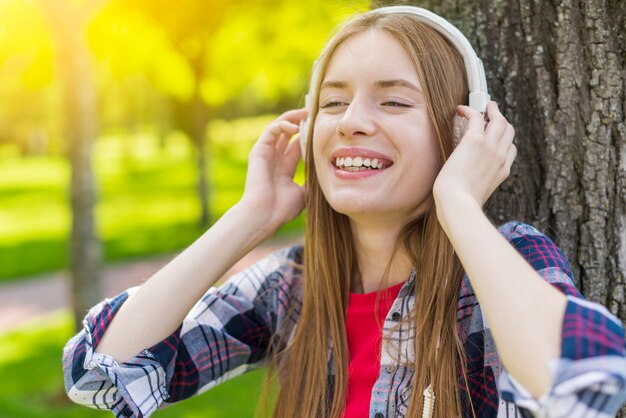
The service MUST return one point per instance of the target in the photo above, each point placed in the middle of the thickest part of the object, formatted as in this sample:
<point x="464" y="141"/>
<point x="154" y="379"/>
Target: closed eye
<point x="393" y="103"/>
<point x="331" y="104"/>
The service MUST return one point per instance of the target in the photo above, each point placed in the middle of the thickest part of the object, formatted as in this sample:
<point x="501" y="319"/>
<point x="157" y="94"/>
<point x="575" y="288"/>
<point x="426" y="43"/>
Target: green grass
<point x="147" y="199"/>
<point x="32" y="380"/>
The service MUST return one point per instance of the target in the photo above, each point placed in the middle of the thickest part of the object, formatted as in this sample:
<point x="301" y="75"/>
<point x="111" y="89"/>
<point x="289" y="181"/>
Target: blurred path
<point x="29" y="299"/>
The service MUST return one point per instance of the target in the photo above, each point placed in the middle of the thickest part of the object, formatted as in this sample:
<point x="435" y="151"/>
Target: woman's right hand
<point x="270" y="190"/>
<point x="270" y="199"/>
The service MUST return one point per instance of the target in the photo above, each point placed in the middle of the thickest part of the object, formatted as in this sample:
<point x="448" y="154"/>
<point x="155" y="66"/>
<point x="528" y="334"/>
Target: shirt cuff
<point x="135" y="388"/>
<point x="581" y="388"/>
<point x="589" y="378"/>
<point x="139" y="384"/>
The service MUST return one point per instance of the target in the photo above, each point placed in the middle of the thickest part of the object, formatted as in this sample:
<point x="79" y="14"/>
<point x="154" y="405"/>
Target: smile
<point x="352" y="163"/>
<point x="359" y="163"/>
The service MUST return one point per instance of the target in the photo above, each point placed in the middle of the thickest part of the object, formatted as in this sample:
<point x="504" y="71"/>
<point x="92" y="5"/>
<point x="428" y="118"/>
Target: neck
<point x="374" y="245"/>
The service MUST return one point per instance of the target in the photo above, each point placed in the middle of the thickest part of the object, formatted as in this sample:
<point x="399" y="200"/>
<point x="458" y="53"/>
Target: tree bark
<point x="557" y="70"/>
<point x="81" y="116"/>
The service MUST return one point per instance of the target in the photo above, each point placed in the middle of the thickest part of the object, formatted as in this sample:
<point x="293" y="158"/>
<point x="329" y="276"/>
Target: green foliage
<point x="27" y="57"/>
<point x="149" y="54"/>
<point x="241" y="57"/>
<point x="147" y="196"/>
<point x="260" y="62"/>
<point x="32" y="380"/>
<point x="26" y="75"/>
<point x="130" y="47"/>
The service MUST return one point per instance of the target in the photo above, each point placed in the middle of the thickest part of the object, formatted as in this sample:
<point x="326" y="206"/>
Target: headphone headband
<point x="476" y="81"/>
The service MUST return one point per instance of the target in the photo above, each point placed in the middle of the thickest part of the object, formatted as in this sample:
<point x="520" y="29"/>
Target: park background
<point x="150" y="109"/>
<point x="130" y="120"/>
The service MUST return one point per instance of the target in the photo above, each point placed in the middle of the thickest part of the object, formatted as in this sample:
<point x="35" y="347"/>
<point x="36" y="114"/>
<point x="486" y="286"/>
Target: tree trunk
<point x="557" y="70"/>
<point x="191" y="116"/>
<point x="79" y="97"/>
<point x="199" y="124"/>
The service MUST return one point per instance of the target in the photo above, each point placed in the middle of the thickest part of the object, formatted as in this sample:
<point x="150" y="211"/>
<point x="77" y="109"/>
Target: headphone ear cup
<point x="304" y="134"/>
<point x="460" y="126"/>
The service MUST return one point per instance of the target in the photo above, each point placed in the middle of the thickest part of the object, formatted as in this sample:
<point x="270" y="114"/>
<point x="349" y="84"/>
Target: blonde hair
<point x="307" y="389"/>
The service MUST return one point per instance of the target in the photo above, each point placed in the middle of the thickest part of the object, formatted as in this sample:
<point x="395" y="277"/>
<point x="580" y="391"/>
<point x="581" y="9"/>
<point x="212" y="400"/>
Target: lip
<point x="352" y="175"/>
<point x="359" y="152"/>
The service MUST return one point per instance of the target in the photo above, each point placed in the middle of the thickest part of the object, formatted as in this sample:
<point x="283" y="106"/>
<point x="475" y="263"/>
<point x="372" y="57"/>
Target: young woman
<point x="404" y="300"/>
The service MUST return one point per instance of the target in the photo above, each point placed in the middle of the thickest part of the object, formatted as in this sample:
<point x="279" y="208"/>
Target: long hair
<point x="313" y="371"/>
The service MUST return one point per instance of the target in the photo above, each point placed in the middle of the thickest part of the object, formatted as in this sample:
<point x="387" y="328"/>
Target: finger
<point x="283" y="126"/>
<point x="497" y="122"/>
<point x="294" y="150"/>
<point x="507" y="138"/>
<point x="291" y="157"/>
<point x="510" y="157"/>
<point x="476" y="120"/>
<point x="294" y="116"/>
<point x="281" y="143"/>
<point x="272" y="133"/>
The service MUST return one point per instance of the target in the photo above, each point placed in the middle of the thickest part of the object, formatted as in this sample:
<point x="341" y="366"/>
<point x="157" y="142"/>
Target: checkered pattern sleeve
<point x="226" y="333"/>
<point x="589" y="378"/>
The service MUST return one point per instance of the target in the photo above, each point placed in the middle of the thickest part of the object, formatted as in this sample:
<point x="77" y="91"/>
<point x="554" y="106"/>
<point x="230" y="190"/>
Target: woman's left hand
<point x="481" y="161"/>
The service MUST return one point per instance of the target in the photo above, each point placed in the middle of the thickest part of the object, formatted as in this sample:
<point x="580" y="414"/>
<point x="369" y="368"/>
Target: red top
<point x="364" y="343"/>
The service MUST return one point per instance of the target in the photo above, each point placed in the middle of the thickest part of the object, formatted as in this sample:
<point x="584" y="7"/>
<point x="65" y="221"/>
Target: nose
<point x="357" y="120"/>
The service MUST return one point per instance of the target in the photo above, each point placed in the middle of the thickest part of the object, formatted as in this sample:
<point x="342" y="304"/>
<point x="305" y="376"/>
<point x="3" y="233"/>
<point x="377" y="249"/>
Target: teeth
<point x="358" y="163"/>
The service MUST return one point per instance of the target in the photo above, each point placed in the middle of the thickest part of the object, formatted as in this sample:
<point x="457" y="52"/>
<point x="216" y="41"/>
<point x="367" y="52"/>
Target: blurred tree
<point x="211" y="60"/>
<point x="26" y="80"/>
<point x="263" y="65"/>
<point x="557" y="71"/>
<point x="189" y="27"/>
<point x="139" y="72"/>
<point x="68" y="22"/>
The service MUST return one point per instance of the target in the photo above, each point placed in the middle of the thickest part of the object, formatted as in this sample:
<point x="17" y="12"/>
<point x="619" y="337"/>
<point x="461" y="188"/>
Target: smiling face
<point x="374" y="145"/>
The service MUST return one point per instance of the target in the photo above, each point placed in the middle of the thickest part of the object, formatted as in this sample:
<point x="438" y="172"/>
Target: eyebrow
<point x="380" y="83"/>
<point x="334" y="84"/>
<point x="397" y="83"/>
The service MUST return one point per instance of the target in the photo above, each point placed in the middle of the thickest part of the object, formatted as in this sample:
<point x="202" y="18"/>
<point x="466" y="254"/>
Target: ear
<point x="460" y="126"/>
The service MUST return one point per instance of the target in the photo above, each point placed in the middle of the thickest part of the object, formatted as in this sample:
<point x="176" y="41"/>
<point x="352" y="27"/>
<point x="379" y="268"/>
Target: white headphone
<point x="477" y="83"/>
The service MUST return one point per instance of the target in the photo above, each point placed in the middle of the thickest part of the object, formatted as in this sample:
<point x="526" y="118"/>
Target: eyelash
<point x="330" y="104"/>
<point x="392" y="103"/>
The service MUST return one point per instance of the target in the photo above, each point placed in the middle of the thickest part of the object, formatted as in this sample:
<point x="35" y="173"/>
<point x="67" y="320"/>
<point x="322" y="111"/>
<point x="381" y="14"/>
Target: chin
<point x="364" y="209"/>
<point x="354" y="203"/>
<point x="353" y="211"/>
<point x="379" y="210"/>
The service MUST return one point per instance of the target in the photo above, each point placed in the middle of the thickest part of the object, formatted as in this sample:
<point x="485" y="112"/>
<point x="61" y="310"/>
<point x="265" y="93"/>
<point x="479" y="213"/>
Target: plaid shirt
<point x="228" y="331"/>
